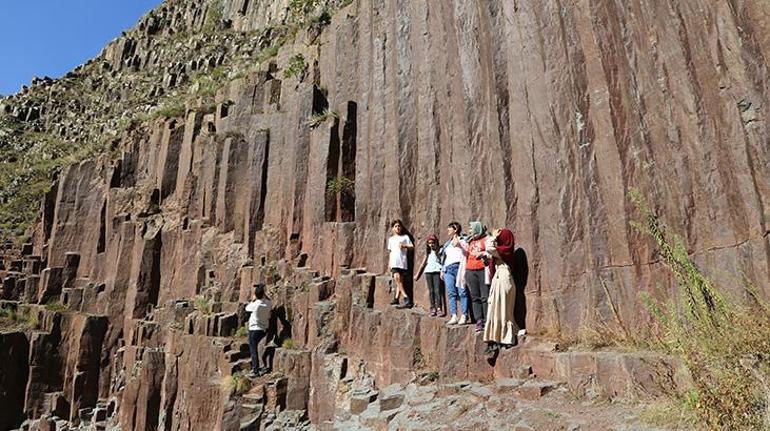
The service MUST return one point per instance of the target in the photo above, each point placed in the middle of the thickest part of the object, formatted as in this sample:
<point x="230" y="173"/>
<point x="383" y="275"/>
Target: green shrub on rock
<point x="723" y="341"/>
<point x="296" y="67"/>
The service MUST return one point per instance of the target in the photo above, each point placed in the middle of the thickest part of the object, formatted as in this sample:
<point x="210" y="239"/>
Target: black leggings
<point x="475" y="279"/>
<point x="434" y="287"/>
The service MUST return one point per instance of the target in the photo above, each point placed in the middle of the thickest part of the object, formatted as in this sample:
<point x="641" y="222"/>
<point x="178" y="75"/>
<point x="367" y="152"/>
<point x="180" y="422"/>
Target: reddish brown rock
<point x="533" y="390"/>
<point x="296" y="366"/>
<point x="328" y="372"/>
<point x="14" y="368"/>
<point x="360" y="400"/>
<point x="140" y="408"/>
<point x="81" y="383"/>
<point x="524" y="121"/>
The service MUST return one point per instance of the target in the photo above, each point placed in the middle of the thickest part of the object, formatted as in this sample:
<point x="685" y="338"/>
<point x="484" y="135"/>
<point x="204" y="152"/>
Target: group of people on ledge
<point x="476" y="271"/>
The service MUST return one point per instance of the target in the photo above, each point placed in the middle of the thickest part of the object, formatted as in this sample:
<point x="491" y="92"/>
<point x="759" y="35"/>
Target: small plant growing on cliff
<point x="304" y="286"/>
<point x="236" y="384"/>
<point x="723" y="342"/>
<point x="8" y="317"/>
<point x="342" y="185"/>
<point x="300" y="10"/>
<point x="33" y="323"/>
<point x="418" y="361"/>
<point x="56" y="306"/>
<point x="202" y="305"/>
<point x="288" y="344"/>
<point x="18" y="319"/>
<point x="268" y="53"/>
<point x="170" y="109"/>
<point x="234" y="135"/>
<point x="320" y="118"/>
<point x="321" y="20"/>
<point x="242" y="332"/>
<point x="206" y="85"/>
<point x="296" y="67"/>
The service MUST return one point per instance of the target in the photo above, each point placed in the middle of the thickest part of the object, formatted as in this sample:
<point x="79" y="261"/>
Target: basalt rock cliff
<point x="221" y="143"/>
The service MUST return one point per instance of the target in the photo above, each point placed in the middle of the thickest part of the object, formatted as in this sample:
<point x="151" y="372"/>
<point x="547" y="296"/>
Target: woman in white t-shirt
<point x="455" y="252"/>
<point x="398" y="246"/>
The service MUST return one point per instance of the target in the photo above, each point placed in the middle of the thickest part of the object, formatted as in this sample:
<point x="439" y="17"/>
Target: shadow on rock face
<point x="520" y="276"/>
<point x="276" y="335"/>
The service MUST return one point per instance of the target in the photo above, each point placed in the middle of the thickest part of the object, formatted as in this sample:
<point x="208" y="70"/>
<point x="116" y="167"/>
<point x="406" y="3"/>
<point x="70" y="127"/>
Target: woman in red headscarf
<point x="500" y="328"/>
<point x="431" y="265"/>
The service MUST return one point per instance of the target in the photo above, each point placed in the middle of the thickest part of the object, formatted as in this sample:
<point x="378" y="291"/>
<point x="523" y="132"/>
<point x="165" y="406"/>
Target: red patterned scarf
<point x="505" y="246"/>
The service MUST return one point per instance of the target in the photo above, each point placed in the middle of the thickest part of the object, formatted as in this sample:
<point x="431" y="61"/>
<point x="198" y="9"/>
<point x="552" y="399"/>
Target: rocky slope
<point x="222" y="142"/>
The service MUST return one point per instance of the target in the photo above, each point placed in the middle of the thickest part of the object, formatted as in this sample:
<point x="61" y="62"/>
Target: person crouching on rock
<point x="432" y="267"/>
<point x="398" y="245"/>
<point x="259" y="321"/>
<point x="500" y="328"/>
<point x="454" y="254"/>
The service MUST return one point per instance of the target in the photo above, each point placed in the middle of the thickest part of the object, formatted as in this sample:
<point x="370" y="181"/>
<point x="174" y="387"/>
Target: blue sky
<point x="51" y="37"/>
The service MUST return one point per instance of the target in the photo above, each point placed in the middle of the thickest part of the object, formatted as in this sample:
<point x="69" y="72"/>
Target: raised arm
<point x="490" y="247"/>
<point x="465" y="246"/>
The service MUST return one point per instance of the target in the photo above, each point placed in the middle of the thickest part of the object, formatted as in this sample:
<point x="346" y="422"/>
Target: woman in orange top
<point x="475" y="273"/>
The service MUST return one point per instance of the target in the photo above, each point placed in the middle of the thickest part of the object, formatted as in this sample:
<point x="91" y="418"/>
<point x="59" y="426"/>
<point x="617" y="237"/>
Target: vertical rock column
<point x="143" y="292"/>
<point x="140" y="407"/>
<point x="82" y="377"/>
<point x="14" y="370"/>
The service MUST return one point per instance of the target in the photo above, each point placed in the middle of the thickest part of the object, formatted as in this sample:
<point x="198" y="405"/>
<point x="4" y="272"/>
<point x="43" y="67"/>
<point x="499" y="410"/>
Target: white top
<point x="398" y="254"/>
<point x="489" y="245"/>
<point x="433" y="265"/>
<point x="454" y="254"/>
<point x="260" y="314"/>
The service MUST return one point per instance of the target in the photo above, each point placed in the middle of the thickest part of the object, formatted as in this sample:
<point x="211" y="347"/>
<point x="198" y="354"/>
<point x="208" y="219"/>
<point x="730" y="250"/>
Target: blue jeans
<point x="254" y="338"/>
<point x="450" y="280"/>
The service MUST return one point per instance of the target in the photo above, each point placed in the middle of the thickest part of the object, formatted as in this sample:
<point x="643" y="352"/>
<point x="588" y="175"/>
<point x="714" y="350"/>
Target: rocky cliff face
<point x="236" y="134"/>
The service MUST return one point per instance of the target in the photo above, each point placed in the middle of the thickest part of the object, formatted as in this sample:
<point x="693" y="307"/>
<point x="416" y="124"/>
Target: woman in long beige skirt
<point x="500" y="328"/>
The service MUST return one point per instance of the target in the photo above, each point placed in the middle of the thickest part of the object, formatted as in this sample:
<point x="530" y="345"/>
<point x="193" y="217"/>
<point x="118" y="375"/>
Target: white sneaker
<point x="463" y="320"/>
<point x="453" y="320"/>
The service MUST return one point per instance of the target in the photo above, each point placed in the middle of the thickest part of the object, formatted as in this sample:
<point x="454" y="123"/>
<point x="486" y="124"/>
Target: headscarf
<point x="505" y="246"/>
<point x="477" y="229"/>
